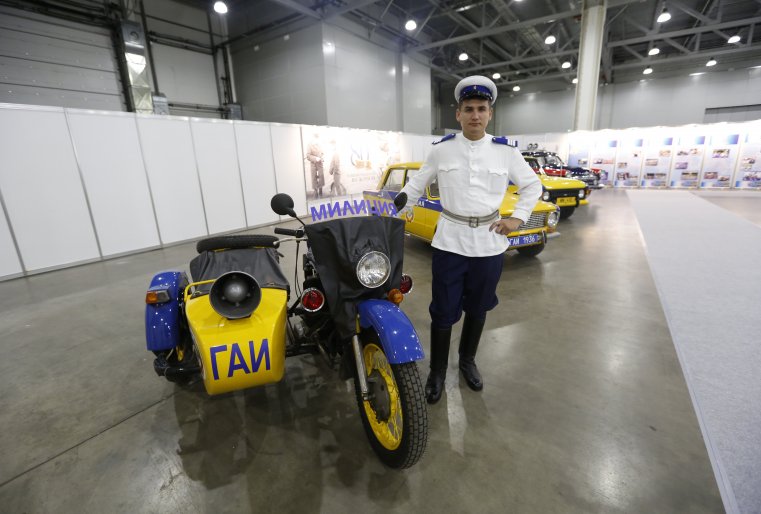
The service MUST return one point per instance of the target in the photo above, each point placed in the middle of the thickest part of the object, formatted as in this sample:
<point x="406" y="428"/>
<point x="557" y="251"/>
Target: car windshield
<point x="554" y="160"/>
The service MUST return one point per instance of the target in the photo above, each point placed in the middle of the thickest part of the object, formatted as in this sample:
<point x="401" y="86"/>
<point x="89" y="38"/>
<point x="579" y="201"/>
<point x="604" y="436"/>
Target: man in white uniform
<point x="473" y="170"/>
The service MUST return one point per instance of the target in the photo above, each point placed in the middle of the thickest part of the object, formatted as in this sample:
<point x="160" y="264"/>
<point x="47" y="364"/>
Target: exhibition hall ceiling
<point x="509" y="37"/>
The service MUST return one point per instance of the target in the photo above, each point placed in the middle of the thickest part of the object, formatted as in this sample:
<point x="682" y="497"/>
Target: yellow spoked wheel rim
<point x="387" y="432"/>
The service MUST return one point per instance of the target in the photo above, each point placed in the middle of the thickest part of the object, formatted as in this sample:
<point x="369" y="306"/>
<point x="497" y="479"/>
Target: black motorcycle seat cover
<point x="260" y="263"/>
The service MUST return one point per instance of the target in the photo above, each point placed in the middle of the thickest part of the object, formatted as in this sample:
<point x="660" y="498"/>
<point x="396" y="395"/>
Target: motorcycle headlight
<point x="552" y="219"/>
<point x="581" y="194"/>
<point x="373" y="269"/>
<point x="546" y="196"/>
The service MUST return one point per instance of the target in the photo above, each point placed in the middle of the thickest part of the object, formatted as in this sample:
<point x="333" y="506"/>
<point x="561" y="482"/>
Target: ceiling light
<point x="711" y="62"/>
<point x="654" y="51"/>
<point x="463" y="56"/>
<point x="549" y="40"/>
<point x="516" y="88"/>
<point x="696" y="74"/>
<point x="734" y="39"/>
<point x="220" y="7"/>
<point x="575" y="80"/>
<point x="566" y="65"/>
<point x="647" y="71"/>
<point x="464" y="8"/>
<point x="410" y="25"/>
<point x="664" y="16"/>
<point x="496" y="76"/>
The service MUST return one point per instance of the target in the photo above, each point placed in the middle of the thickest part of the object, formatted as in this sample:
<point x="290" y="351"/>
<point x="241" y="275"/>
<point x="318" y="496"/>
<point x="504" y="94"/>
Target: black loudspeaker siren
<point x="235" y="295"/>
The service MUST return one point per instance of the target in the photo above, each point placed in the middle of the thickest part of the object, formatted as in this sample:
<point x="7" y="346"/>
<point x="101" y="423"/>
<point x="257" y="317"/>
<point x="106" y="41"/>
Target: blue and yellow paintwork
<point x="239" y="353"/>
<point x="428" y="208"/>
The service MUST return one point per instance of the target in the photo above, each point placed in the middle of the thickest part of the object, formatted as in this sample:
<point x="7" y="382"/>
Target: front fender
<point x="162" y="321"/>
<point x="397" y="335"/>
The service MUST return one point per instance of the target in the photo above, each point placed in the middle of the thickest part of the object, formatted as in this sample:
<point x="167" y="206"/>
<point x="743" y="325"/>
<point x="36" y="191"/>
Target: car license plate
<point x="525" y="240"/>
<point x="569" y="200"/>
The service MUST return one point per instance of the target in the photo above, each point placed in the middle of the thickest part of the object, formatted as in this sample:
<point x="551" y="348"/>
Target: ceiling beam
<point x="516" y="26"/>
<point x="301" y="9"/>
<point x="686" y="32"/>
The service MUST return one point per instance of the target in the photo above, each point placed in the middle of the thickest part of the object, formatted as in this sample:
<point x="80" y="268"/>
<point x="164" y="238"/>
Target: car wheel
<point x="531" y="251"/>
<point x="565" y="212"/>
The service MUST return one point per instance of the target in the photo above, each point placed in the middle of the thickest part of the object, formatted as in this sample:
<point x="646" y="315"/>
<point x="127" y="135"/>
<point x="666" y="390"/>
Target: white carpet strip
<point x="706" y="263"/>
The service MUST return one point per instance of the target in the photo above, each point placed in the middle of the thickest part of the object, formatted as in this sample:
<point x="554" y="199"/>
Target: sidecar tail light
<point x="395" y="296"/>
<point x="157" y="296"/>
<point x="312" y="300"/>
<point x="406" y="285"/>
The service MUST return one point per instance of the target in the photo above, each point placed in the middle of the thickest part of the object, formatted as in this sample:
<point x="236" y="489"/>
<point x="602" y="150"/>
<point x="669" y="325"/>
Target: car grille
<point x="536" y="220"/>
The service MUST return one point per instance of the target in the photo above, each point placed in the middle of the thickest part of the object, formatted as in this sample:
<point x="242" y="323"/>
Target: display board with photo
<point x="603" y="158"/>
<point x="719" y="162"/>
<point x="748" y="174"/>
<point x="578" y="150"/>
<point x="687" y="161"/>
<point x="628" y="162"/>
<point x="340" y="163"/>
<point x="657" y="161"/>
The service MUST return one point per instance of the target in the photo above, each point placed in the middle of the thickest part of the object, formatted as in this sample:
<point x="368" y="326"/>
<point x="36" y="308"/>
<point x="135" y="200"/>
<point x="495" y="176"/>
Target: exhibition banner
<point x="629" y="162"/>
<point x="687" y="162"/>
<point x="657" y="161"/>
<point x="603" y="158"/>
<point x="340" y="162"/>
<point x="720" y="160"/>
<point x="748" y="174"/>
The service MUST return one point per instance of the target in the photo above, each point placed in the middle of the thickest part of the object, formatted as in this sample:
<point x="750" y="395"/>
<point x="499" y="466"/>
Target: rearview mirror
<point x="282" y="204"/>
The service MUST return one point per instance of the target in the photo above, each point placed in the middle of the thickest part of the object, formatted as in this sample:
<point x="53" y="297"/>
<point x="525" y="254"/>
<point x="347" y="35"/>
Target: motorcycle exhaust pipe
<point x="361" y="371"/>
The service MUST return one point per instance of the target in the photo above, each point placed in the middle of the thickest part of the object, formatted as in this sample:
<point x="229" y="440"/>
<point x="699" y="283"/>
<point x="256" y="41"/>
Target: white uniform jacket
<point x="473" y="177"/>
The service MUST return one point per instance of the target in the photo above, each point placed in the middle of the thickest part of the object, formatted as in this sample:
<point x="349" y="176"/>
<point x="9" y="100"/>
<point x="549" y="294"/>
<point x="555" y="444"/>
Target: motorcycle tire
<point x="235" y="242"/>
<point x="400" y="436"/>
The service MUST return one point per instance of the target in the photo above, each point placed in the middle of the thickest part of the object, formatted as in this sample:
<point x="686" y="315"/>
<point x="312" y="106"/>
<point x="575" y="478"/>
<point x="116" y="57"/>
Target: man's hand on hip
<point x="505" y="226"/>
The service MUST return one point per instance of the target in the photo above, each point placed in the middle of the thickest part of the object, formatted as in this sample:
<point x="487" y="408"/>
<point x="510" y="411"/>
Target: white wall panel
<point x="108" y="152"/>
<point x="9" y="262"/>
<point x="167" y="148"/>
<point x="289" y="164"/>
<point x="42" y="189"/>
<point x="214" y="143"/>
<point x="257" y="170"/>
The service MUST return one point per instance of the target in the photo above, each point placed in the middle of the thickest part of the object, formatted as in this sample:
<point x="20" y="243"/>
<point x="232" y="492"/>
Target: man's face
<point x="474" y="114"/>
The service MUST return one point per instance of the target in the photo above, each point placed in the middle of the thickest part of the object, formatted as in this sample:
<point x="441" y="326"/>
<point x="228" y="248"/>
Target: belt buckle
<point x="473" y="222"/>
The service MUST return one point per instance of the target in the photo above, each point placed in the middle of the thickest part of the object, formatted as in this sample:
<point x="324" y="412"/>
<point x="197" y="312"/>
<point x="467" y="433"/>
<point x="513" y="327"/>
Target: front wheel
<point x="565" y="212"/>
<point x="395" y="417"/>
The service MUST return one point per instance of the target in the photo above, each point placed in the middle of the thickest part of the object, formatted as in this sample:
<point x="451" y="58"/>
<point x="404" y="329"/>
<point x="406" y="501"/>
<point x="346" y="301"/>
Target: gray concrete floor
<point x="585" y="407"/>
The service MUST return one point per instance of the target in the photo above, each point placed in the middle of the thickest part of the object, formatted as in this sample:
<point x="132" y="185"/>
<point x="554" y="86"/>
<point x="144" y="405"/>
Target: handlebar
<point x="289" y="232"/>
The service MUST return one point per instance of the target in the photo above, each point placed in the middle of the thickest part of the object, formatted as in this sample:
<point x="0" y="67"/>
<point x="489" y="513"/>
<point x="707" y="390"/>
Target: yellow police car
<point x="566" y="193"/>
<point x="529" y="240"/>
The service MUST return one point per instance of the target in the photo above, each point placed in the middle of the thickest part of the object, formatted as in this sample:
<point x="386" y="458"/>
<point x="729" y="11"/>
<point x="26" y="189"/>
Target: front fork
<point x="360" y="362"/>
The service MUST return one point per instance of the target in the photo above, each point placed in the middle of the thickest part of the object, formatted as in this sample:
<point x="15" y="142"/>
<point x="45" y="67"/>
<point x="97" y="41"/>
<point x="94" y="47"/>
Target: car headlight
<point x="552" y="219"/>
<point x="582" y="194"/>
<point x="546" y="196"/>
<point x="373" y="269"/>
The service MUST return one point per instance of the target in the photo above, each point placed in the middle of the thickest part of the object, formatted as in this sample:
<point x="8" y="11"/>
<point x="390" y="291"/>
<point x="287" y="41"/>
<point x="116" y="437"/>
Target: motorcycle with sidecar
<point x="232" y="325"/>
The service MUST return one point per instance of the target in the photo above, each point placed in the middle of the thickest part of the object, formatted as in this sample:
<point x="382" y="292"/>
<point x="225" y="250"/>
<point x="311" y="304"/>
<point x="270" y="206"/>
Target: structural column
<point x="590" y="51"/>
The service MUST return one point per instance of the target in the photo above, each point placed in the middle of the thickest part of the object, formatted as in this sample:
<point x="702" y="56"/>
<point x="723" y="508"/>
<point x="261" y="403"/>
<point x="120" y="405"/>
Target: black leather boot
<point x="434" y="386"/>
<point x="471" y="335"/>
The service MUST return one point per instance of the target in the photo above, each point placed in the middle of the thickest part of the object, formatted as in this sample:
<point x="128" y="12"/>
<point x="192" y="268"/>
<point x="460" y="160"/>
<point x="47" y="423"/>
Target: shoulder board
<point x="505" y="141"/>
<point x="445" y="138"/>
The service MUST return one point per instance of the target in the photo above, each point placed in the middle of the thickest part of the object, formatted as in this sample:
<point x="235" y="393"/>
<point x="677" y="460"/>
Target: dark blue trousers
<point x="462" y="283"/>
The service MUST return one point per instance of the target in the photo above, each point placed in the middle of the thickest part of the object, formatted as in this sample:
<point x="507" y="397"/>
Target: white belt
<point x="471" y="221"/>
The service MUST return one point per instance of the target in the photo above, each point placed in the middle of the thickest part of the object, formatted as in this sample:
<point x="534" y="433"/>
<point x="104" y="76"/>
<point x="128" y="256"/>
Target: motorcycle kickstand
<point x="361" y="371"/>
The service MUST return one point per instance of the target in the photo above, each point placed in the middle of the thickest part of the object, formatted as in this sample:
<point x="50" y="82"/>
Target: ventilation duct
<point x="136" y="69"/>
